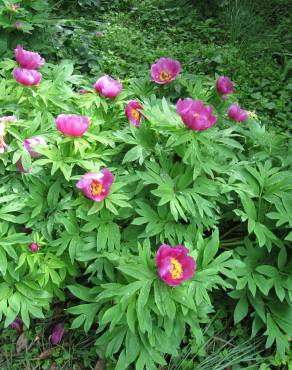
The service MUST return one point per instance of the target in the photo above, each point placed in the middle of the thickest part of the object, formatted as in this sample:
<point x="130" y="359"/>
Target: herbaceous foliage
<point x="142" y="199"/>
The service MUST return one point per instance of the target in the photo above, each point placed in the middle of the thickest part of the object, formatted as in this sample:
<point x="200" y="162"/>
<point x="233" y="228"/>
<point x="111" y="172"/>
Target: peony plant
<point x="133" y="216"/>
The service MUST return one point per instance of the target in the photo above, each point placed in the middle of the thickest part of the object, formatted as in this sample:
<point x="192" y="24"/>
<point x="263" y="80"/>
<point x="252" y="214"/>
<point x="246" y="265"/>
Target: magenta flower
<point x="17" y="324"/>
<point x="165" y="70"/>
<point x="133" y="113"/>
<point x="28" y="77"/>
<point x="174" y="265"/>
<point x="96" y="186"/>
<point x="108" y="87"/>
<point x="8" y="119"/>
<point x="34" y="247"/>
<point x="224" y="85"/>
<point x="195" y="115"/>
<point x="31" y="143"/>
<point x="72" y="124"/>
<point x="28" y="59"/>
<point x="57" y="334"/>
<point x="18" y="24"/>
<point x="20" y="167"/>
<point x="236" y="113"/>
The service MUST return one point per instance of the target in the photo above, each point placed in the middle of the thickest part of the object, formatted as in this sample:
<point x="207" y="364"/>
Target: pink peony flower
<point x="165" y="70"/>
<point x="17" y="324"/>
<point x="28" y="77"/>
<point x="3" y="145"/>
<point x="174" y="265"/>
<point x="96" y="186"/>
<point x="8" y="119"/>
<point x="195" y="115"/>
<point x="28" y="59"/>
<point x="18" y="24"/>
<point x="72" y="124"/>
<point x="133" y="113"/>
<point x="236" y="113"/>
<point x="14" y="7"/>
<point x="34" y="247"/>
<point x="108" y="87"/>
<point x="224" y="85"/>
<point x="98" y="34"/>
<point x="57" y="334"/>
<point x="31" y="143"/>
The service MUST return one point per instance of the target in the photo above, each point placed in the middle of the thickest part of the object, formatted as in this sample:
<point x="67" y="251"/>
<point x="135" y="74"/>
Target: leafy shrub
<point x="171" y="185"/>
<point x="136" y="33"/>
<point x="19" y="18"/>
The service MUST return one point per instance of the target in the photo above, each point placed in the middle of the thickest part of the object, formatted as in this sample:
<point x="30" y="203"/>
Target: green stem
<point x="230" y="244"/>
<point x="230" y="231"/>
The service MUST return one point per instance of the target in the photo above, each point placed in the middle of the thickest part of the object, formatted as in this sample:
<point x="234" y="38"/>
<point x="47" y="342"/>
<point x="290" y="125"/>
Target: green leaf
<point x="131" y="315"/>
<point x="160" y="290"/>
<point x="81" y="292"/>
<point x="24" y="313"/>
<point x="115" y="344"/>
<point x="267" y="270"/>
<point x="5" y="291"/>
<point x="133" y="154"/>
<point x="145" y="321"/>
<point x="3" y="261"/>
<point x="241" y="309"/>
<point x="211" y="248"/>
<point x="282" y="257"/>
<point x="132" y="345"/>
<point x="180" y="295"/>
<point x="138" y="272"/>
<point x="143" y="297"/>
<point x="248" y="206"/>
<point x="53" y="194"/>
<point x="113" y="314"/>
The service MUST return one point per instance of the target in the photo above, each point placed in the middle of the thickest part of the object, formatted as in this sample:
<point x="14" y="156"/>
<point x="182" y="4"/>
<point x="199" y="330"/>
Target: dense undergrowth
<point x="224" y="193"/>
<point x="246" y="41"/>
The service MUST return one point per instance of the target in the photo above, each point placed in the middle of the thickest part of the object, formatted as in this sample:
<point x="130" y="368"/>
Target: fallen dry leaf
<point x="100" y="365"/>
<point x="44" y="355"/>
<point x="21" y="343"/>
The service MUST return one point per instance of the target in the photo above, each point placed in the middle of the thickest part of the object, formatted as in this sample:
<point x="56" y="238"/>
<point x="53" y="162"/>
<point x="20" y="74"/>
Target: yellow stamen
<point x="176" y="270"/>
<point x="164" y="75"/>
<point x="135" y="114"/>
<point x="95" y="187"/>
